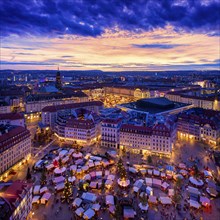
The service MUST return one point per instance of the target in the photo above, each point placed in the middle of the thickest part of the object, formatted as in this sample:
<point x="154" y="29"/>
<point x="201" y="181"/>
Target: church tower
<point x="58" y="80"/>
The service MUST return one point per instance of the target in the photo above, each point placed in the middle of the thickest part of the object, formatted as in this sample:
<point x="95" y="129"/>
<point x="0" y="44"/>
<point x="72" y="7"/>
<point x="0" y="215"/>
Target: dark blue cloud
<point x="157" y="46"/>
<point x="92" y="17"/>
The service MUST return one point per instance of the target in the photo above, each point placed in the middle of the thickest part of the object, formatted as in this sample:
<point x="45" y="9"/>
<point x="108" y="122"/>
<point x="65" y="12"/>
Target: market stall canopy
<point x="149" y="190"/>
<point x="193" y="190"/>
<point x="79" y="211"/>
<point x="211" y="191"/>
<point x="165" y="185"/>
<point x="91" y="197"/>
<point x="77" y="202"/>
<point x="43" y="189"/>
<point x="194" y="204"/>
<point x="71" y="179"/>
<point x="36" y="189"/>
<point x="152" y="199"/>
<point x="204" y="201"/>
<point x="88" y="214"/>
<point x="111" y="209"/>
<point x="207" y="174"/>
<point x="183" y="172"/>
<point x="111" y="177"/>
<point x="60" y="186"/>
<point x="196" y="182"/>
<point x="143" y="207"/>
<point x="73" y="167"/>
<point x="128" y="212"/>
<point x="170" y="192"/>
<point x="77" y="155"/>
<point x="59" y="171"/>
<point x="58" y="179"/>
<point x="109" y="200"/>
<point x="96" y="207"/>
<point x="95" y="158"/>
<point x="166" y="200"/>
<point x="182" y="166"/>
<point x="35" y="199"/>
<point x="87" y="177"/>
<point x="46" y="196"/>
<point x="132" y="170"/>
<point x="149" y="181"/>
<point x="156" y="172"/>
<point x="63" y="153"/>
<point x="50" y="166"/>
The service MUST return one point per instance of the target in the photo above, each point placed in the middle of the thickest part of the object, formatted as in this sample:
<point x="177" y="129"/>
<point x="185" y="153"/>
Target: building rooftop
<point x="71" y="106"/>
<point x="11" y="116"/>
<point x="156" y="102"/>
<point x="42" y="97"/>
<point x="153" y="106"/>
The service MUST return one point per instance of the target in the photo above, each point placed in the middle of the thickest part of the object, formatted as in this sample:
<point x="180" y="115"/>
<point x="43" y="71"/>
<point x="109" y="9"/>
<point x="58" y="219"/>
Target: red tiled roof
<point x="80" y="123"/>
<point x="135" y="129"/>
<point x="11" y="116"/>
<point x="15" y="135"/>
<point x="71" y="106"/>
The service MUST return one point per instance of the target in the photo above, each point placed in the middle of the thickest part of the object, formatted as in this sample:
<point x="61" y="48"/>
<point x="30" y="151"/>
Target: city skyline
<point x="116" y="36"/>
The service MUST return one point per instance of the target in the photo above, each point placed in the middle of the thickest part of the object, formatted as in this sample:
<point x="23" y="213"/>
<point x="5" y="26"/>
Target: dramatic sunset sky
<point x="110" y="35"/>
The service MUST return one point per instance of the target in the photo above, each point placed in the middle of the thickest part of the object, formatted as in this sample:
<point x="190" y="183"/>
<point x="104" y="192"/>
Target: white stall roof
<point x="50" y="166"/>
<point x="165" y="185"/>
<point x="88" y="214"/>
<point x="157" y="182"/>
<point x="35" y="199"/>
<point x="194" y="204"/>
<point x="156" y="173"/>
<point x="77" y="202"/>
<point x="79" y="211"/>
<point x="193" y="190"/>
<point x="132" y="170"/>
<point x="96" y="206"/>
<point x="91" y="197"/>
<point x="58" y="179"/>
<point x="36" y="189"/>
<point x="111" y="177"/>
<point x="143" y="207"/>
<point x="110" y="200"/>
<point x="59" y="186"/>
<point x="148" y="181"/>
<point x="43" y="189"/>
<point x="165" y="200"/>
<point x="63" y="153"/>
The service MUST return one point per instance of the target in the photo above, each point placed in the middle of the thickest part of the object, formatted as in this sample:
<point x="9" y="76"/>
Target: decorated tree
<point x="121" y="169"/>
<point x="120" y="164"/>
<point x="67" y="192"/>
<point x="60" y="162"/>
<point x="149" y="159"/>
<point x="144" y="200"/>
<point x="196" y="171"/>
<point x="28" y="177"/>
<point x="43" y="179"/>
<point x="176" y="197"/>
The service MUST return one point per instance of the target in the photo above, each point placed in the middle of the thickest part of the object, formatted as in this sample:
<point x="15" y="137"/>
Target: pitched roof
<point x="11" y="116"/>
<point x="55" y="108"/>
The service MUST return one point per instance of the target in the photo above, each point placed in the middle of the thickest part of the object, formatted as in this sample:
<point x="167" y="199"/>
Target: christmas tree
<point x="121" y="169"/>
<point x="67" y="192"/>
<point x="43" y="179"/>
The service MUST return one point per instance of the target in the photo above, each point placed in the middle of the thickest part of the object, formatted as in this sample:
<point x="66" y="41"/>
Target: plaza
<point x="151" y="184"/>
